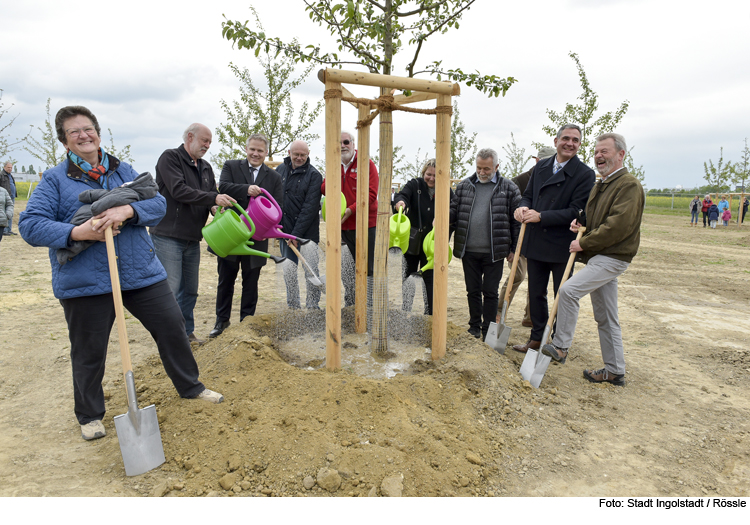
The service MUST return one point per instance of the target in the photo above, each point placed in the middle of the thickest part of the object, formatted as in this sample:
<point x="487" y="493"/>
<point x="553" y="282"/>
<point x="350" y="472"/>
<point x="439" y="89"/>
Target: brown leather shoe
<point x="527" y="324"/>
<point x="194" y="339"/>
<point x="530" y="345"/>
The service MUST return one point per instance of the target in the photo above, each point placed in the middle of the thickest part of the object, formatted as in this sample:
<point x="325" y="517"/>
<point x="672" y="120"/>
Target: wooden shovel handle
<point x="516" y="256"/>
<point x="568" y="267"/>
<point x="114" y="275"/>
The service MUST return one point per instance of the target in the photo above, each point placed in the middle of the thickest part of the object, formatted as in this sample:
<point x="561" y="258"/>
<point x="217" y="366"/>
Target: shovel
<point x="498" y="333"/>
<point x="314" y="280"/>
<point x="535" y="363"/>
<point x="138" y="430"/>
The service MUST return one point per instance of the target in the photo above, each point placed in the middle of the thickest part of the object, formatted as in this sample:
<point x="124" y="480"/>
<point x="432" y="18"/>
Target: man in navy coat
<point x="559" y="187"/>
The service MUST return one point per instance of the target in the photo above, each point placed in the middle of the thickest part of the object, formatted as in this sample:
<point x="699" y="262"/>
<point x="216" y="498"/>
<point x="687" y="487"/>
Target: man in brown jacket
<point x="613" y="233"/>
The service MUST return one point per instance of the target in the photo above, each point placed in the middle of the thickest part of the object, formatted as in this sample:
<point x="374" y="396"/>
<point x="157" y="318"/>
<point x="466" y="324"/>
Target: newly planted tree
<point x="583" y="114"/>
<point x="717" y="175"/>
<point x="637" y="171"/>
<point x="517" y="159"/>
<point x="122" y="154"/>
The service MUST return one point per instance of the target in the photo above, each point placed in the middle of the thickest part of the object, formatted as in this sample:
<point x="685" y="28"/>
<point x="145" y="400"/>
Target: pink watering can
<point x="266" y="214"/>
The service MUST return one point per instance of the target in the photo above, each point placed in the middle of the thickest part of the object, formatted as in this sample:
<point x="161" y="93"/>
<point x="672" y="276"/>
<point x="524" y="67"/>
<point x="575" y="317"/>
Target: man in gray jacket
<point x="486" y="233"/>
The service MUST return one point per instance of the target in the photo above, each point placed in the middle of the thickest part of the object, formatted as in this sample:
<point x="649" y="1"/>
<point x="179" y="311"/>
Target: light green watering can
<point x="228" y="235"/>
<point x="429" y="250"/>
<point x="343" y="206"/>
<point x="400" y="228"/>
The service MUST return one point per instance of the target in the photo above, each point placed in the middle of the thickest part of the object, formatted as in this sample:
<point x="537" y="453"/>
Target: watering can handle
<point x="249" y="220"/>
<point x="273" y="201"/>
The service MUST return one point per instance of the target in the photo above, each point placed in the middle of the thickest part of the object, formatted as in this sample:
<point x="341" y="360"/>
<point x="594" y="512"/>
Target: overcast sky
<point x="147" y="69"/>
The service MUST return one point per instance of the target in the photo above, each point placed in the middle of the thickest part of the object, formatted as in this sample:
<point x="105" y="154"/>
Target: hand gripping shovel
<point x="314" y="280"/>
<point x="498" y="333"/>
<point x="535" y="363"/>
<point x="138" y="430"/>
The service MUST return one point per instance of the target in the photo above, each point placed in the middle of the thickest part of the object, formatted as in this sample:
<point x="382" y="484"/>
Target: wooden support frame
<point x="363" y="196"/>
<point x="333" y="230"/>
<point x="425" y="90"/>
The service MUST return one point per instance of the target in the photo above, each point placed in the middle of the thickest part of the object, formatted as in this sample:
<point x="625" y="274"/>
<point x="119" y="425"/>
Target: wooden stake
<point x="442" y="213"/>
<point x="386" y="81"/>
<point x="380" y="271"/>
<point x="363" y="214"/>
<point x="333" y="230"/>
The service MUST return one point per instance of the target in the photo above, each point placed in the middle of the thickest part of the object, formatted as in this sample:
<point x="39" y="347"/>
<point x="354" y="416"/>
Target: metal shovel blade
<point x="139" y="435"/>
<point x="497" y="337"/>
<point x="534" y="366"/>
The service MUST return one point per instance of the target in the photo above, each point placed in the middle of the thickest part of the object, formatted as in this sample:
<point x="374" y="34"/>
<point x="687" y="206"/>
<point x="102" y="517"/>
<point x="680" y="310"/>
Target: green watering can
<point x="228" y="235"/>
<point x="429" y="250"/>
<point x="343" y="206"/>
<point x="400" y="228"/>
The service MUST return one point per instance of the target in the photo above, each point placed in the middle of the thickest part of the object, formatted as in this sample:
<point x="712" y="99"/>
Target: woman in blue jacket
<point x="82" y="283"/>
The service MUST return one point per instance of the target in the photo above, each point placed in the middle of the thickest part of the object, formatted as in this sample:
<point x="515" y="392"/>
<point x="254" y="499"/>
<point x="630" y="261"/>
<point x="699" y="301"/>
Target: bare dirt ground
<point x="467" y="425"/>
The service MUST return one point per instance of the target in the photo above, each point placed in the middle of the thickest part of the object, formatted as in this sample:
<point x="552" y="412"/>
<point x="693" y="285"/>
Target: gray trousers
<point x="598" y="278"/>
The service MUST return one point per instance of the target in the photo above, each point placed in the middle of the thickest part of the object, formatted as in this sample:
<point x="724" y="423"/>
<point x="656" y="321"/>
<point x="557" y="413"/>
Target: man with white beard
<point x="613" y="233"/>
<point x="486" y="234"/>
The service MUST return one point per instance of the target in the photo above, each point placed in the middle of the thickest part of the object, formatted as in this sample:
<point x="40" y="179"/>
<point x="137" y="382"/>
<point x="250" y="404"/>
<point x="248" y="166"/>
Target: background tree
<point x="638" y="172"/>
<point x="269" y="112"/>
<point x="741" y="170"/>
<point x="31" y="169"/>
<point x="583" y="115"/>
<point x="47" y="149"/>
<point x="718" y="175"/>
<point x="463" y="147"/>
<point x="123" y="154"/>
<point x="7" y="144"/>
<point x="517" y="159"/>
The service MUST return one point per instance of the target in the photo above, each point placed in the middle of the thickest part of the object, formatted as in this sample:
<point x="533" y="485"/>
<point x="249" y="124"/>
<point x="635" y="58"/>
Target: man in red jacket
<point x="349" y="220"/>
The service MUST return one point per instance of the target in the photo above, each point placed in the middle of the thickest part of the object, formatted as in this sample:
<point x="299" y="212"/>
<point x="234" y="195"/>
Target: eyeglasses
<point x="346" y="142"/>
<point x="75" y="133"/>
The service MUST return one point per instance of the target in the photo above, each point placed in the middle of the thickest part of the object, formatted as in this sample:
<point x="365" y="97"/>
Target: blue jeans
<point x="181" y="259"/>
<point x="694" y="217"/>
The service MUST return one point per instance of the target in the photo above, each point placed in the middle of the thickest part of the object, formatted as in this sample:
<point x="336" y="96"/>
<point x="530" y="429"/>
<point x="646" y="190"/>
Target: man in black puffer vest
<point x="301" y="182"/>
<point x="486" y="233"/>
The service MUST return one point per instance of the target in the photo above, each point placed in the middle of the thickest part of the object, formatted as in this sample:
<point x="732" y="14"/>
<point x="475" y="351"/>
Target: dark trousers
<point x="705" y="218"/>
<point x="349" y="237"/>
<point x="482" y="278"/>
<point x="539" y="272"/>
<point x="411" y="265"/>
<point x="90" y="319"/>
<point x="228" y="269"/>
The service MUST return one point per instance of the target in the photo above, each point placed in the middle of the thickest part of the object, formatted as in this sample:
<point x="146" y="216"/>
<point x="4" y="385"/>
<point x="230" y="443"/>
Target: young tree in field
<point x="123" y="154"/>
<point x="463" y="147"/>
<point x="48" y="149"/>
<point x="638" y="172"/>
<point x="31" y="169"/>
<point x="517" y="159"/>
<point x="583" y="115"/>
<point x="718" y="175"/>
<point x="7" y="144"/>
<point x="268" y="112"/>
<point x="741" y="170"/>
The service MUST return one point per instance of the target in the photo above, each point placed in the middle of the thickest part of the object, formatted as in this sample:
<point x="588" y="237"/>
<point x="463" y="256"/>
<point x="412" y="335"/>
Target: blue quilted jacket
<point x="46" y="222"/>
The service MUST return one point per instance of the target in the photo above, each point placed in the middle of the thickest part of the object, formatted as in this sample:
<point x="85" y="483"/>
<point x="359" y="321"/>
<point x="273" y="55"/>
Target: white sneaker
<point x="93" y="430"/>
<point x="210" y="396"/>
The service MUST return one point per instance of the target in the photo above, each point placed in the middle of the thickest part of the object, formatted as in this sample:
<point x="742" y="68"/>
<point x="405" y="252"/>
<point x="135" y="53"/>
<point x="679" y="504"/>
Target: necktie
<point x="556" y="168"/>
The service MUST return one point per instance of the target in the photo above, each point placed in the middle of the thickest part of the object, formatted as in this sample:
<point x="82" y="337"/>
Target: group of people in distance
<point x="91" y="191"/>
<point x="713" y="213"/>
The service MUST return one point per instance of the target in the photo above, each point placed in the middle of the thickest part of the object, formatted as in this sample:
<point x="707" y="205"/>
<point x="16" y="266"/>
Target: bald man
<point x="301" y="204"/>
<point x="187" y="182"/>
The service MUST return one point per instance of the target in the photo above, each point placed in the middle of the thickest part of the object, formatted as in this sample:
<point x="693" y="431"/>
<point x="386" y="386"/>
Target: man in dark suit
<point x="243" y="179"/>
<point x="559" y="187"/>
